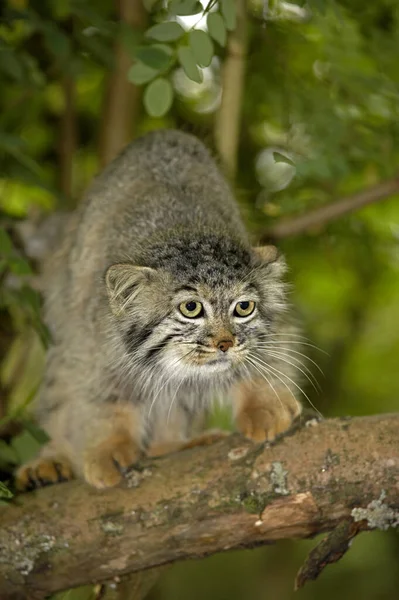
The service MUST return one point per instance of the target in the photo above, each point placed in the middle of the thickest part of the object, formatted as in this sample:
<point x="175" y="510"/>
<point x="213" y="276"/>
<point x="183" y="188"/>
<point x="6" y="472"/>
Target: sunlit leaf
<point x="158" y="97"/>
<point x="189" y="64"/>
<point x="202" y="47"/>
<point x="217" y="28"/>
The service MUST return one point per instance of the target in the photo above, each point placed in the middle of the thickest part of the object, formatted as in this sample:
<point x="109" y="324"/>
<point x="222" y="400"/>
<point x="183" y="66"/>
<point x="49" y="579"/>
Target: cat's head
<point x="197" y="314"/>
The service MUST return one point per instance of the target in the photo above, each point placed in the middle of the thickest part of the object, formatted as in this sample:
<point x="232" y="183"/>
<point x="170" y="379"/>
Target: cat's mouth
<point x="216" y="364"/>
<point x="214" y="360"/>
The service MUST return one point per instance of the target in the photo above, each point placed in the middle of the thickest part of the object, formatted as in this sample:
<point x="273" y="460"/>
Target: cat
<point x="157" y="304"/>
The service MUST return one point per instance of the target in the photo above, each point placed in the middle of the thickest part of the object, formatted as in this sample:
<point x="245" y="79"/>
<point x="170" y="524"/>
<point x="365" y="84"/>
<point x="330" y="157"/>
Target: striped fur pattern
<point x="127" y="370"/>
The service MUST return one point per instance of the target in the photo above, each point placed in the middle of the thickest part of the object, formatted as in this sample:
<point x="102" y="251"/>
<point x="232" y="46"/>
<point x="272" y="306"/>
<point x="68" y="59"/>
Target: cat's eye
<point x="191" y="309"/>
<point x="244" y="309"/>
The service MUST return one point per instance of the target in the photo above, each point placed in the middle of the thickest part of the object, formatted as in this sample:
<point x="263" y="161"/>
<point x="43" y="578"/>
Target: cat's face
<point x="195" y="330"/>
<point x="211" y="330"/>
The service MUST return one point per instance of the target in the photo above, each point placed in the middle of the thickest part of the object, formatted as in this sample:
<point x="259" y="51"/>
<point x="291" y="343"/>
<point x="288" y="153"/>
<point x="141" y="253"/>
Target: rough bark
<point x="228" y="117"/>
<point x="229" y="495"/>
<point x="122" y="98"/>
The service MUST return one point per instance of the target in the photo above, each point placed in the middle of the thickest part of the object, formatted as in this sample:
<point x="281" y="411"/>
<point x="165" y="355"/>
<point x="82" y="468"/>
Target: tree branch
<point x="330" y="212"/>
<point x="122" y="98"/>
<point x="229" y="495"/>
<point x="228" y="117"/>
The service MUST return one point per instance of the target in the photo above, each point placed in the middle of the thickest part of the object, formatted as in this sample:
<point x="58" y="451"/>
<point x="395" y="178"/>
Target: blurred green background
<point x="319" y="121"/>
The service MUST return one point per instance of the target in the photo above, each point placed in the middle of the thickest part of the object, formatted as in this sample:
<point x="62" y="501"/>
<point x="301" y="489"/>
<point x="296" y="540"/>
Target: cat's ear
<point x="271" y="257"/>
<point x="123" y="282"/>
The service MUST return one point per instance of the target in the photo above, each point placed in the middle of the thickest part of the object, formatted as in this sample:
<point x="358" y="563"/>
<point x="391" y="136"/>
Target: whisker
<point x="263" y="374"/>
<point x="260" y="363"/>
<point x="296" y="342"/>
<point x="173" y="400"/>
<point x="293" y="383"/>
<point x="174" y="363"/>
<point x="305" y="371"/>
<point x="279" y="349"/>
<point x="284" y="333"/>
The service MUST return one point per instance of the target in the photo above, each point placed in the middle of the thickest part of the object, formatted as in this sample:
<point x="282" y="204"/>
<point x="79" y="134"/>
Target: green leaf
<point x="25" y="446"/>
<point x="4" y="491"/>
<point x="281" y="158"/>
<point x="130" y="38"/>
<point x="188" y="62"/>
<point x="216" y="28"/>
<point x="202" y="47"/>
<point x="39" y="435"/>
<point x="141" y="73"/>
<point x="32" y="301"/>
<point x="31" y="298"/>
<point x="186" y="8"/>
<point x="158" y="97"/>
<point x="11" y="64"/>
<point x="14" y="146"/>
<point x="6" y="246"/>
<point x="19" y="266"/>
<point x="229" y="13"/>
<point x="97" y="48"/>
<point x="3" y="265"/>
<point x="11" y="143"/>
<point x="165" y="32"/>
<point x="7" y="454"/>
<point x="57" y="42"/>
<point x="157" y="57"/>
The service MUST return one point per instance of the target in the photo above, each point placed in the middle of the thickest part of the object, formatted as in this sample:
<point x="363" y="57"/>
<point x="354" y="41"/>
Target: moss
<point x="256" y="503"/>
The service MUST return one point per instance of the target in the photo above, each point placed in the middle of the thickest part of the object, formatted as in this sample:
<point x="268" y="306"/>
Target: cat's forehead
<point x="220" y="293"/>
<point x="209" y="259"/>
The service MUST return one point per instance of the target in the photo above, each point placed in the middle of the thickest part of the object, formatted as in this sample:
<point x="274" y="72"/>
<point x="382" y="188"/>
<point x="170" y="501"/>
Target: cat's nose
<point x="224" y="345"/>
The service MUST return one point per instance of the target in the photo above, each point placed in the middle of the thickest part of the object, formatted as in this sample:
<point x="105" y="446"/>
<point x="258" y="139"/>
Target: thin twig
<point x="320" y="216"/>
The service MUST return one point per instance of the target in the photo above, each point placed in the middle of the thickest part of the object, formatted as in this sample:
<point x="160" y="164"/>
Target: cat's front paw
<point x="104" y="464"/>
<point x="263" y="419"/>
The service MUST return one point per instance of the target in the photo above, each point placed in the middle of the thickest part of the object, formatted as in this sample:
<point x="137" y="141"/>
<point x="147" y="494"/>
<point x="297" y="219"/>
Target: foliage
<point x="320" y="120"/>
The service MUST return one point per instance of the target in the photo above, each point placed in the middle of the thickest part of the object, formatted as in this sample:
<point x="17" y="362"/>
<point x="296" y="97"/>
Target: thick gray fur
<point x="164" y="205"/>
